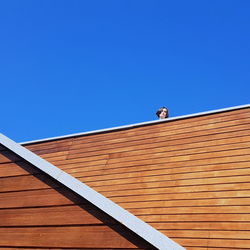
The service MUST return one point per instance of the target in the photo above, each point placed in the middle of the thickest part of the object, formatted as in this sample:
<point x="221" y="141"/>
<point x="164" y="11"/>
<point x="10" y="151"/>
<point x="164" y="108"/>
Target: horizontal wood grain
<point x="183" y="196"/>
<point x="214" y="234"/>
<point x="47" y="216"/>
<point x="188" y="142"/>
<point x="179" y="189"/>
<point x="181" y="179"/>
<point x="27" y="182"/>
<point x="196" y="217"/>
<point x="180" y="172"/>
<point x="214" y="243"/>
<point x="171" y="183"/>
<point x="152" y="138"/>
<point x="177" y="160"/>
<point x="79" y="170"/>
<point x="191" y="146"/>
<point x="51" y="146"/>
<point x="211" y="225"/>
<point x="35" y="198"/>
<point x="79" y="237"/>
<point x="16" y="169"/>
<point x="156" y="170"/>
<point x="164" y="146"/>
<point x="187" y="202"/>
<point x="187" y="210"/>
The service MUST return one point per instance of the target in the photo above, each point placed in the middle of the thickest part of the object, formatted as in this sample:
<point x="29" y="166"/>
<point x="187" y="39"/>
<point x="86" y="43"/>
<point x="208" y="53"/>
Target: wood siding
<point x="38" y="212"/>
<point x="189" y="178"/>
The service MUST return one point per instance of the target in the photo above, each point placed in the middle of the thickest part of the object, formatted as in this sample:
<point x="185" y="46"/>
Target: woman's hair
<point x="160" y="110"/>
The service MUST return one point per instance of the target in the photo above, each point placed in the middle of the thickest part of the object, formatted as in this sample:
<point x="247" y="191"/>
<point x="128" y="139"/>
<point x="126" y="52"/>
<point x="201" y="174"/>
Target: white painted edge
<point x="142" y="229"/>
<point x="136" y="125"/>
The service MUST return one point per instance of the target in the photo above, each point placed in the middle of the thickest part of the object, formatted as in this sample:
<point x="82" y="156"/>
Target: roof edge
<point x="135" y="125"/>
<point x="141" y="228"/>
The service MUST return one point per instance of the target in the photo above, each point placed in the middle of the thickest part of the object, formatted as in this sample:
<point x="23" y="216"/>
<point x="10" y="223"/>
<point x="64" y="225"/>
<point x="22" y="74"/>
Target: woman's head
<point x="162" y="113"/>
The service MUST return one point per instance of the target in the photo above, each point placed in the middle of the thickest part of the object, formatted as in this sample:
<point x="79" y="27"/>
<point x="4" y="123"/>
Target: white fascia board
<point x="136" y="124"/>
<point x="142" y="229"/>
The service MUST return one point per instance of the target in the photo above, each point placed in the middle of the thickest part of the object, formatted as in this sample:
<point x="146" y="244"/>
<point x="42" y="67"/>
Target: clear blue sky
<point x="74" y="66"/>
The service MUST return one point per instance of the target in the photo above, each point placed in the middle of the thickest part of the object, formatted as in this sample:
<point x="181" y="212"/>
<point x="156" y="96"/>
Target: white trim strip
<point x="136" y="125"/>
<point x="144" y="230"/>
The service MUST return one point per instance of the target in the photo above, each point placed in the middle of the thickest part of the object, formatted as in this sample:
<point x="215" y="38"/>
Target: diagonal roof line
<point x="136" y="124"/>
<point x="142" y="229"/>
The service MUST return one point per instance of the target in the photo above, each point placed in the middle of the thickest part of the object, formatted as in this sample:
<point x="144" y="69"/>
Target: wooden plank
<point x="107" y="152"/>
<point x="196" y="217"/>
<point x="61" y="155"/>
<point x="168" y="158"/>
<point x="182" y="196"/>
<point x="186" y="210"/>
<point x="211" y="248"/>
<point x="178" y="225"/>
<point x="55" y="159"/>
<point x="27" y="182"/>
<point x="38" y="198"/>
<point x="159" y="138"/>
<point x="16" y="169"/>
<point x="216" y="243"/>
<point x="112" y="149"/>
<point x="45" y="216"/>
<point x="30" y="182"/>
<point x="170" y="135"/>
<point x="214" y="234"/>
<point x="155" y="170"/>
<point x="195" y="177"/>
<point x="164" y="184"/>
<point x="161" y="142"/>
<point x="122" y="157"/>
<point x="79" y="237"/>
<point x="165" y="147"/>
<point x="194" y="147"/>
<point x="181" y="172"/>
<point x="49" y="150"/>
<point x="79" y="169"/>
<point x="177" y="190"/>
<point x="192" y="159"/>
<point x="50" y="146"/>
<point x="182" y="203"/>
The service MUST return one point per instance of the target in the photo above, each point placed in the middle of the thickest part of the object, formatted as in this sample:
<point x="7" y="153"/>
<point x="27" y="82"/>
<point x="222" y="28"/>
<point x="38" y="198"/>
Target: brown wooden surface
<point x="37" y="212"/>
<point x="79" y="237"/>
<point x="188" y="178"/>
<point x="55" y="215"/>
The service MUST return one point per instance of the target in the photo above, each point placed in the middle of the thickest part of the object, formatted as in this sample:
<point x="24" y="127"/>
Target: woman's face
<point x="163" y="114"/>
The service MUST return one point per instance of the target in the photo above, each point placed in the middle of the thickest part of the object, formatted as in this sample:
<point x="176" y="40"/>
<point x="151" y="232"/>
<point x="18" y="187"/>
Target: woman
<point x="162" y="113"/>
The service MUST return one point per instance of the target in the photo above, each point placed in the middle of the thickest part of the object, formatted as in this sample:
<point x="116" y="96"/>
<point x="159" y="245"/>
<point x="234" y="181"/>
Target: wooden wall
<point x="36" y="212"/>
<point x="189" y="178"/>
